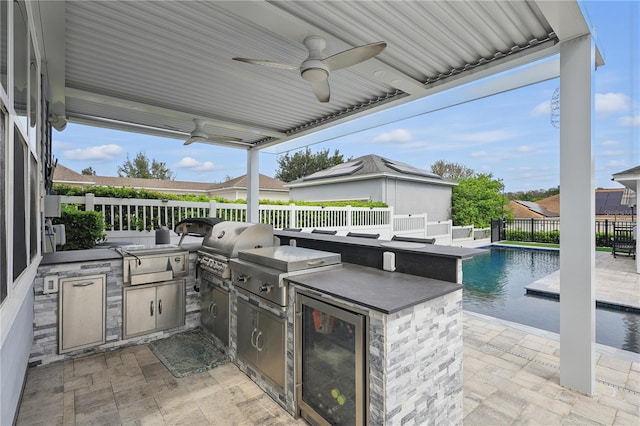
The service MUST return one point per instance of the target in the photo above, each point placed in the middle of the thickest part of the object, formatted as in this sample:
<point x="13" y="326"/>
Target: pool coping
<point x="541" y="287"/>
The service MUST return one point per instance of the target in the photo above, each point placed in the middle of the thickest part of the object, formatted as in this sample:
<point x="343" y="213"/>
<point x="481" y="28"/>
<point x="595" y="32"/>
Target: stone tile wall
<point x="416" y="364"/>
<point x="44" y="349"/>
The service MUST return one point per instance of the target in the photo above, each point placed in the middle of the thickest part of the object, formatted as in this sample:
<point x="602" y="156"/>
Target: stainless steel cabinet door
<point x="82" y="312"/>
<point x="139" y="310"/>
<point x="270" y="345"/>
<point x="220" y="313"/>
<point x="170" y="305"/>
<point x="247" y="332"/>
<point x="206" y="305"/>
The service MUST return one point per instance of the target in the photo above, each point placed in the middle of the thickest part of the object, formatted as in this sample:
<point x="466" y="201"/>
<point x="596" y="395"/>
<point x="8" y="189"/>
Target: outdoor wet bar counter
<point x="378" y="336"/>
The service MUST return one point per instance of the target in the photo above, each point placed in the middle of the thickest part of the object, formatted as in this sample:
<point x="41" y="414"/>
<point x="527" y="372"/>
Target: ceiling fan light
<point x="315" y="75"/>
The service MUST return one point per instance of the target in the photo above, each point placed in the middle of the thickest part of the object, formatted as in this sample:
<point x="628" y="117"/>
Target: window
<point x="20" y="61"/>
<point x="19" y="206"/>
<point x="3" y="212"/>
<point x="4" y="61"/>
<point x="33" y="217"/>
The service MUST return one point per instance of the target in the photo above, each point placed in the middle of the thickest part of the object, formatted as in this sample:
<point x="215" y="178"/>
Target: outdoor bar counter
<point x="423" y="260"/>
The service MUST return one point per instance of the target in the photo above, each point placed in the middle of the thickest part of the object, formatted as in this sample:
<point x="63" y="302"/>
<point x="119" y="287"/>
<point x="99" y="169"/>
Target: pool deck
<point x="617" y="283"/>
<point x="510" y="377"/>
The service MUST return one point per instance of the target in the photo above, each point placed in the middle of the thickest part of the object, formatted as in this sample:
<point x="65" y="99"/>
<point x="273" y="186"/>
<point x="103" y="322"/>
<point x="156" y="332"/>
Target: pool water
<point x="494" y="285"/>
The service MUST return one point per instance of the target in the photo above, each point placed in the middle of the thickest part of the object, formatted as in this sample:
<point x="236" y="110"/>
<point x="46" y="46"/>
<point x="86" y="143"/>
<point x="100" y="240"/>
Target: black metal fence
<point x="548" y="230"/>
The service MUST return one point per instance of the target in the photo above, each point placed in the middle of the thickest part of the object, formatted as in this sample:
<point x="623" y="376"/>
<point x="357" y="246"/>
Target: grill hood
<point x="227" y="238"/>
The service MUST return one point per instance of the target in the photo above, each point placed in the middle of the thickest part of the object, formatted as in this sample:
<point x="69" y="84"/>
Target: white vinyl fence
<point x="134" y="220"/>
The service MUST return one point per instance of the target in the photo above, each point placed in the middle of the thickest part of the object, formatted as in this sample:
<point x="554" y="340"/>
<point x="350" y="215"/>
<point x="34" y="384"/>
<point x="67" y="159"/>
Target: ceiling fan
<point x="199" y="135"/>
<point x="316" y="70"/>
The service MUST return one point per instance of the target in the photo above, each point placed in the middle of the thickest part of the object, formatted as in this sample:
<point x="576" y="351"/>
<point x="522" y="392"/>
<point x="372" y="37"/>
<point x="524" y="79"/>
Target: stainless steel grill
<point x="225" y="239"/>
<point x="263" y="271"/>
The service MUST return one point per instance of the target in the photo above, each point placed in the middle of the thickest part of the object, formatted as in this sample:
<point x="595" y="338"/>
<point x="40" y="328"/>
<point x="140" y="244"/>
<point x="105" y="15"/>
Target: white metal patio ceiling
<point x="154" y="66"/>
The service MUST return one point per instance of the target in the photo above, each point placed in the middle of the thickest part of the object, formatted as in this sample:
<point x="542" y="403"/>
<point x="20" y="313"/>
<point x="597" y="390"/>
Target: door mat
<point x="188" y="353"/>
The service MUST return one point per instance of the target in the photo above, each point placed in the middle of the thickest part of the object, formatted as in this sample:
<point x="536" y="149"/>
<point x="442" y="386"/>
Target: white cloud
<point x="610" y="143"/>
<point x="96" y="153"/>
<point x="526" y="148"/>
<point x="630" y="120"/>
<point x="608" y="103"/>
<point x="543" y="108"/>
<point x="488" y="136"/>
<point x="479" y="154"/>
<point x="193" y="164"/>
<point x="398" y="135"/>
<point x="616" y="163"/>
<point x="612" y="153"/>
<point x="61" y="144"/>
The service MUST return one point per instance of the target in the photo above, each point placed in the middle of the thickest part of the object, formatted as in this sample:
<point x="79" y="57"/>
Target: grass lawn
<point x="544" y="245"/>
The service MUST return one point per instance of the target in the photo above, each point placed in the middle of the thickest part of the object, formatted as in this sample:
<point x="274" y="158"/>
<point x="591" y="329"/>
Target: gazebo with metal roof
<point x="166" y="69"/>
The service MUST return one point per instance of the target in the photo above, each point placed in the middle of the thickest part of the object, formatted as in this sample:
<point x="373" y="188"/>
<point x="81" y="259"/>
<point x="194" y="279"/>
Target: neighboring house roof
<point x="609" y="202"/>
<point x="551" y="203"/>
<point x="64" y="175"/>
<point x="628" y="178"/>
<point x="536" y="208"/>
<point x="366" y="167"/>
<point x="522" y="212"/>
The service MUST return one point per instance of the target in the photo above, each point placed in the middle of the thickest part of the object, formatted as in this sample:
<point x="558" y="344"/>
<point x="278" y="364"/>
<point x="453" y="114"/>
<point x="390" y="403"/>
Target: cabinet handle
<point x="258" y="347"/>
<point x="151" y="309"/>
<point x="211" y="305"/>
<point x="243" y="278"/>
<point x="253" y="333"/>
<point x="214" y="310"/>
<point x="160" y="307"/>
<point x="83" y="284"/>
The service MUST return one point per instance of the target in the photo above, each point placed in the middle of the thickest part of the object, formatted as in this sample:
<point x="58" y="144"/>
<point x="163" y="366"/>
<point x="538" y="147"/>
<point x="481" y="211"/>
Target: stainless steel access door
<point x="261" y="341"/>
<point x="214" y="310"/>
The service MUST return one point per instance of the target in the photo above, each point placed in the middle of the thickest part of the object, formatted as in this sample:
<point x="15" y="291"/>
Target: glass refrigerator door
<point x="331" y="363"/>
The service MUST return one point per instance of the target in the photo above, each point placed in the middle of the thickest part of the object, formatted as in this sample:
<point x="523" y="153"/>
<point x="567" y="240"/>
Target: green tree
<point x="451" y="171"/>
<point x="304" y="163"/>
<point x="141" y="168"/>
<point x="88" y="171"/>
<point x="478" y="199"/>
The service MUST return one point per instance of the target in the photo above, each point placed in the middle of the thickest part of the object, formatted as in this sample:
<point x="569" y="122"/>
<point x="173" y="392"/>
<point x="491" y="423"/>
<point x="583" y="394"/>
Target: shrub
<point x="82" y="229"/>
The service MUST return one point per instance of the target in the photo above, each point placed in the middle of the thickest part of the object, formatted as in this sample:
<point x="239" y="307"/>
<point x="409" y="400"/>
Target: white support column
<point x="253" y="185"/>
<point x="577" y="212"/>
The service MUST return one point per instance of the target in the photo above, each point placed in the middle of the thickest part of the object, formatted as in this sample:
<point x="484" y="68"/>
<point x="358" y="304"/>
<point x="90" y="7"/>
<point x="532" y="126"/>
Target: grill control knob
<point x="265" y="288"/>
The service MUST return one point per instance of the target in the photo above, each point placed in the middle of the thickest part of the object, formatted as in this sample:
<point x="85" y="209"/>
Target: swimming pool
<point x="494" y="285"/>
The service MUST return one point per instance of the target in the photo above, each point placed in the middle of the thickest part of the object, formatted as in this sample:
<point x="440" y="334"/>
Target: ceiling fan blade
<point x="221" y="138"/>
<point x="268" y="63"/>
<point x="321" y="90"/>
<point x="354" y="56"/>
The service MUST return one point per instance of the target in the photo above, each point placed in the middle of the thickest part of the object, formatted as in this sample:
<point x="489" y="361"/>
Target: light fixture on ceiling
<point x="199" y="135"/>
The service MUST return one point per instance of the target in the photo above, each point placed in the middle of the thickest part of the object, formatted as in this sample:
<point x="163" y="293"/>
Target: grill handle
<point x="315" y="262"/>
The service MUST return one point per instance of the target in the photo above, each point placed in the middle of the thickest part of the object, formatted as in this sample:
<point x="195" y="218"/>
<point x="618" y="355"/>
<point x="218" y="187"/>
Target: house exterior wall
<point x="370" y="189"/>
<point x="241" y="194"/>
<point x="406" y="197"/>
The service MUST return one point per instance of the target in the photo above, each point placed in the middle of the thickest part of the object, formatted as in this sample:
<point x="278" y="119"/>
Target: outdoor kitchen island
<point x="411" y="338"/>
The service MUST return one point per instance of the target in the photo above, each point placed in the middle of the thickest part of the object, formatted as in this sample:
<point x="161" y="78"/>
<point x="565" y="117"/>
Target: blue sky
<point x="509" y="135"/>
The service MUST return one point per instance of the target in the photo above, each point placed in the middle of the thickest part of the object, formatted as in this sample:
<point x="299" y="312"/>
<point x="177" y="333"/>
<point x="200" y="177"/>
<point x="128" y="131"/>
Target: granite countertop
<point x="385" y="245"/>
<point x="95" y="254"/>
<point x="382" y="291"/>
